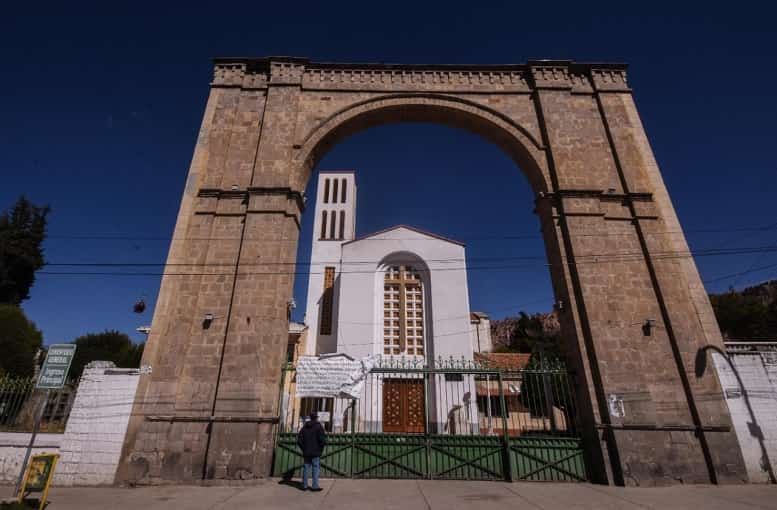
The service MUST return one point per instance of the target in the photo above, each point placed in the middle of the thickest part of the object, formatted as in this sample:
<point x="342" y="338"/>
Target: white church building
<point x="399" y="292"/>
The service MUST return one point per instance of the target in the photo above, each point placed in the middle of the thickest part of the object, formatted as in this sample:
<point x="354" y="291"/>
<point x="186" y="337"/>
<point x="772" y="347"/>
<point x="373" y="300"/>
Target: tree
<point x="22" y="231"/>
<point x="110" y="345"/>
<point x="19" y="342"/>
<point x="545" y="386"/>
<point x="747" y="314"/>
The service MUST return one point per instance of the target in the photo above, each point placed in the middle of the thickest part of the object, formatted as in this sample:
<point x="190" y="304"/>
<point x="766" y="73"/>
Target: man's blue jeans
<point x="315" y="463"/>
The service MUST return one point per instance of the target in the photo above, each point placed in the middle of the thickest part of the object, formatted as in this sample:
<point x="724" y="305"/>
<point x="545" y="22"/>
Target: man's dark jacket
<point x="311" y="439"/>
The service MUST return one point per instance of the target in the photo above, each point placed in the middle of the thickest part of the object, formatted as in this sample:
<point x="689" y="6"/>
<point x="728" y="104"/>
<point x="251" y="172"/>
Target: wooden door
<point x="403" y="406"/>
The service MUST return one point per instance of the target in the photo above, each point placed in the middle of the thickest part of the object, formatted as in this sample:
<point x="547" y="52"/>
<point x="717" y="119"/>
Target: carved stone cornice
<point x="448" y="80"/>
<point x="598" y="194"/>
<point x="608" y="204"/>
<point x="259" y="73"/>
<point x="609" y="78"/>
<point x="286" y="72"/>
<point x="580" y="82"/>
<point x="228" y="74"/>
<point x="551" y="74"/>
<point x="240" y="73"/>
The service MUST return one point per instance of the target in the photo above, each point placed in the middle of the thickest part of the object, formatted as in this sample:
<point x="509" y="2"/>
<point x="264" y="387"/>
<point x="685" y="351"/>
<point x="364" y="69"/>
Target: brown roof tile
<point x="505" y="360"/>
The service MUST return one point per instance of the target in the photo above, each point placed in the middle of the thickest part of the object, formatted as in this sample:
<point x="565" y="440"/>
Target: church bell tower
<point x="334" y="223"/>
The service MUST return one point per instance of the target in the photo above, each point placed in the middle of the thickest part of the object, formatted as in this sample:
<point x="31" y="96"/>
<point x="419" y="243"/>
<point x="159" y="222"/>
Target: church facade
<point x="399" y="292"/>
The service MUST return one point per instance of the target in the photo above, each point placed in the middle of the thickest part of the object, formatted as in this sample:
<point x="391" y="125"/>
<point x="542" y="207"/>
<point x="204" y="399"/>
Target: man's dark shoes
<point x="316" y="489"/>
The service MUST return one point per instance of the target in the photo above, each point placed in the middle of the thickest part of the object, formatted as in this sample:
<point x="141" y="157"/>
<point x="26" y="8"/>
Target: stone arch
<point x="508" y="135"/>
<point x="599" y="189"/>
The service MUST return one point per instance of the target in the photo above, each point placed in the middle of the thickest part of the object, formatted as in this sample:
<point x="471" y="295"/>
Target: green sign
<point x="55" y="367"/>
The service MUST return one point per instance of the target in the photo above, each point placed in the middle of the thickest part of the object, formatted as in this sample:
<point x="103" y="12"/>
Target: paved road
<point x="414" y="495"/>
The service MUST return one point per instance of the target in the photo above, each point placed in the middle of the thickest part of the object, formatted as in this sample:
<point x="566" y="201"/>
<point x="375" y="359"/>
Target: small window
<point x="326" y="191"/>
<point x="342" y="224"/>
<point x="323" y="225"/>
<point x="332" y="220"/>
<point x="327" y="298"/>
<point x="334" y="191"/>
<point x="291" y="348"/>
<point x="343" y="195"/>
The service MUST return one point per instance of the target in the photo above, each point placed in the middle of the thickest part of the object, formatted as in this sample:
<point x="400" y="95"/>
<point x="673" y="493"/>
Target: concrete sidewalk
<point x="413" y="495"/>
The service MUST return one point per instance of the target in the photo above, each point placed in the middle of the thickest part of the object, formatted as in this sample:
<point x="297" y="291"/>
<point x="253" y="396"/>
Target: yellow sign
<point x="39" y="475"/>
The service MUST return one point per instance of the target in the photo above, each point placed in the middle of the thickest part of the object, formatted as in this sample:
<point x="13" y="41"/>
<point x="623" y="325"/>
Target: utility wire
<point x="580" y="259"/>
<point x="305" y="273"/>
<point x="129" y="237"/>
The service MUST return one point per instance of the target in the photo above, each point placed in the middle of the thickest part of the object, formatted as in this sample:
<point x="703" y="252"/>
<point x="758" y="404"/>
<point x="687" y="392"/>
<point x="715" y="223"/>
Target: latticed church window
<point x="403" y="312"/>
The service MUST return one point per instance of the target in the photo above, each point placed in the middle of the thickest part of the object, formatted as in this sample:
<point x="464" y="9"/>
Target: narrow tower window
<point x="342" y="224"/>
<point x="334" y="190"/>
<point x="326" y="191"/>
<point x="332" y="219"/>
<point x="326" y="301"/>
<point x="323" y="225"/>
<point x="343" y="196"/>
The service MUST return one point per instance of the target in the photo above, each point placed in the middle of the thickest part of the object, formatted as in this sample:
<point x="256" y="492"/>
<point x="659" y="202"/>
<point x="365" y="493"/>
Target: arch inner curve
<point x="517" y="142"/>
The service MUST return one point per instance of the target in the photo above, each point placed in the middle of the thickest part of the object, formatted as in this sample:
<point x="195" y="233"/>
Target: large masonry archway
<point x="616" y="250"/>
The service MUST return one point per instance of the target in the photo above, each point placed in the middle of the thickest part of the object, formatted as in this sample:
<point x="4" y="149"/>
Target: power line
<point x="129" y="237"/>
<point x="586" y="258"/>
<point x="589" y="259"/>
<point x="755" y="261"/>
<point x="740" y="273"/>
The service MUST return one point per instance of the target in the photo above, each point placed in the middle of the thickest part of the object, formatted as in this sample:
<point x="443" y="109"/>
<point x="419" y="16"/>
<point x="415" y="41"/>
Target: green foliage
<point x="19" y="341"/>
<point x="545" y="385"/>
<point x="751" y="313"/>
<point x="110" y="345"/>
<point x="22" y="231"/>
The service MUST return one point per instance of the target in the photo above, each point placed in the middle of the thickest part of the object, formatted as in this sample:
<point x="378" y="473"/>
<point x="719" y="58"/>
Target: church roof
<point x="408" y="227"/>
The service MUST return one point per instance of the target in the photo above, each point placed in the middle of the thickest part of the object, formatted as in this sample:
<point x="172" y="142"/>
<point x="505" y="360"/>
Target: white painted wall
<point x="326" y="252"/>
<point x="758" y="371"/>
<point x="446" y="310"/>
<point x="481" y="334"/>
<point x="13" y="446"/>
<point x="446" y="295"/>
<point x="91" y="445"/>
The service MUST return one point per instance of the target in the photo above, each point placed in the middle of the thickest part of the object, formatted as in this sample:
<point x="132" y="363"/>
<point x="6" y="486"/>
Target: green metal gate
<point x="521" y="426"/>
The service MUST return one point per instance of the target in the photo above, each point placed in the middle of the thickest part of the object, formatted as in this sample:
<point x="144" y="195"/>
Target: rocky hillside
<point x="518" y="334"/>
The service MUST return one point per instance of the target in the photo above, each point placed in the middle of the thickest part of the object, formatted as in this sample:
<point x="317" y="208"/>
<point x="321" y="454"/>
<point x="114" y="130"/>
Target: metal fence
<point x="19" y="403"/>
<point x="450" y="397"/>
<point x="452" y="419"/>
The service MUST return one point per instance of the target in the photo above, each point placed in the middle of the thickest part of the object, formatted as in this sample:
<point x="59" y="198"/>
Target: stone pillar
<point x="206" y="410"/>
<point x="658" y="424"/>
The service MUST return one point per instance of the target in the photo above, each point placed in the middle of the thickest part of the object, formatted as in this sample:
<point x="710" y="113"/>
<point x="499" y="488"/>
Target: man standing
<point x="311" y="440"/>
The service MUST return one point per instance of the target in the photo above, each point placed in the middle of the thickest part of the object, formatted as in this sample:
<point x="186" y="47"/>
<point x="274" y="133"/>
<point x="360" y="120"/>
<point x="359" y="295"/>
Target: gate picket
<point x="520" y="447"/>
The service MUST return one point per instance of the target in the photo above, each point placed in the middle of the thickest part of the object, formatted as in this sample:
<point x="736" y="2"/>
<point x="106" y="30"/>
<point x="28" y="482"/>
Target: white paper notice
<point x="333" y="375"/>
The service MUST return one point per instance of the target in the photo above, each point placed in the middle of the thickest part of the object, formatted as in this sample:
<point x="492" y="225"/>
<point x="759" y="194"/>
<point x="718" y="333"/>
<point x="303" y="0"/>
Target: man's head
<point x="314" y="416"/>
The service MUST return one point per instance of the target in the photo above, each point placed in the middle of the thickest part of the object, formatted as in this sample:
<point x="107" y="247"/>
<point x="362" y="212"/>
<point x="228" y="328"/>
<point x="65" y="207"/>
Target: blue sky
<point x="100" y="106"/>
